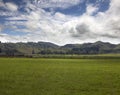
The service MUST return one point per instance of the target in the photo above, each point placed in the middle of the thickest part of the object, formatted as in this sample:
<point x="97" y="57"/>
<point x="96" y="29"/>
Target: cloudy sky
<point x="60" y="21"/>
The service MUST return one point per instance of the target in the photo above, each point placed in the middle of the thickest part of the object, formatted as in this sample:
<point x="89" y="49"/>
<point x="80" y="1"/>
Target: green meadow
<point x="45" y="76"/>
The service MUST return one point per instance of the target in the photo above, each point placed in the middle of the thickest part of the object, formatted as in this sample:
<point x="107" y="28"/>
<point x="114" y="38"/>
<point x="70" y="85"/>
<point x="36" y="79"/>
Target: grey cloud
<point x="1" y="28"/>
<point x="115" y="26"/>
<point x="110" y="36"/>
<point x="81" y="31"/>
<point x="1" y="35"/>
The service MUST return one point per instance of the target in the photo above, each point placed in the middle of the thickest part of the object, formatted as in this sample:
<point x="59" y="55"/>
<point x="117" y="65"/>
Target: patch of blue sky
<point x="80" y="8"/>
<point x="103" y="6"/>
<point x="2" y="19"/>
<point x="74" y="10"/>
<point x="14" y="32"/>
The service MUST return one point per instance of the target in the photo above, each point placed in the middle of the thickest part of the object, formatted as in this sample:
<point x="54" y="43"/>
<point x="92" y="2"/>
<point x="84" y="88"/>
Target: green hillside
<point x="45" y="48"/>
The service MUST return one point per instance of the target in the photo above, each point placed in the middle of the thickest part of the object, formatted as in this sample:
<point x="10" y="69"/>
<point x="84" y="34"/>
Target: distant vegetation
<point x="45" y="48"/>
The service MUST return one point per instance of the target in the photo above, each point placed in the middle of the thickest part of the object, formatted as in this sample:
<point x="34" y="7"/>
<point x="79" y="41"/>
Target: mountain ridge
<point x="29" y="48"/>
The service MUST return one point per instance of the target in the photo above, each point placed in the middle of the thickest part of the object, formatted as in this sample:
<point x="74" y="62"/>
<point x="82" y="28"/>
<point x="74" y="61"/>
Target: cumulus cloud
<point x="11" y="6"/>
<point x="104" y="26"/>
<point x="110" y="20"/>
<point x="62" y="29"/>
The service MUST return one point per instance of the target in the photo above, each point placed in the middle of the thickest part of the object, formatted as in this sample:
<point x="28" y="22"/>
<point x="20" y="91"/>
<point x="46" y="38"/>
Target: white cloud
<point x="60" y="16"/>
<point x="11" y="6"/>
<point x="56" y="3"/>
<point x="10" y="9"/>
<point x="62" y="29"/>
<point x="91" y="9"/>
<point x="1" y="4"/>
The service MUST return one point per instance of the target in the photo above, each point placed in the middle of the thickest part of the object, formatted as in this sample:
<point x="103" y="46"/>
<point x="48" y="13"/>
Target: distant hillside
<point x="20" y="49"/>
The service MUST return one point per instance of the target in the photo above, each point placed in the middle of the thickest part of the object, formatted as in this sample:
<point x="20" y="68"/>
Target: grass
<point x="25" y="76"/>
<point x="74" y="56"/>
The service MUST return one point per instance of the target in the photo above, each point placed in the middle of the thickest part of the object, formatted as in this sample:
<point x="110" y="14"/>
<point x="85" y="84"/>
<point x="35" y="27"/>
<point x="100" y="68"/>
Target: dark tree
<point x="0" y="50"/>
<point x="33" y="52"/>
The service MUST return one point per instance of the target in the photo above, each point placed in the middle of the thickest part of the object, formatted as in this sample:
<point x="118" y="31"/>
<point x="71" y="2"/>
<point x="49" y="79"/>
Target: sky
<point x="60" y="21"/>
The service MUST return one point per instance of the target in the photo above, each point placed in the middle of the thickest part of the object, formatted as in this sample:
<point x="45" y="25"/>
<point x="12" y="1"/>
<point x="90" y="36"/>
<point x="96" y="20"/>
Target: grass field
<point x="25" y="76"/>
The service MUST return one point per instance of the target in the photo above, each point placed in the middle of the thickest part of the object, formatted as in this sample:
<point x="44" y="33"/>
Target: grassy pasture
<point x="25" y="76"/>
<point x="74" y="56"/>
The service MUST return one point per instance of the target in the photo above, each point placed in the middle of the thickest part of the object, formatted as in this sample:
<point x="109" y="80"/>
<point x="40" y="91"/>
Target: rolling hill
<point x="20" y="49"/>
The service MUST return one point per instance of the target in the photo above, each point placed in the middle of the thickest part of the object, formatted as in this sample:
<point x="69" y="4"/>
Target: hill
<point x="20" y="49"/>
